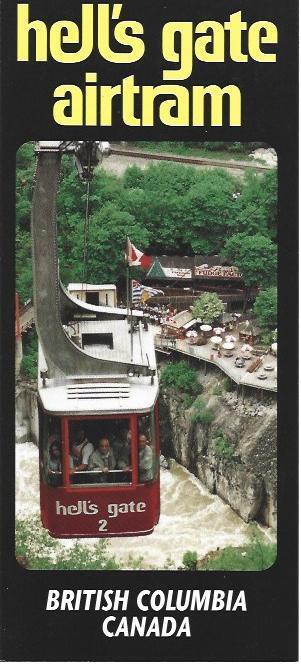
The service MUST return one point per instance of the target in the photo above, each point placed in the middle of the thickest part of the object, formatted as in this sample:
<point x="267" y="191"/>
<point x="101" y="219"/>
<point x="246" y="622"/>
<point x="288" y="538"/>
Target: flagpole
<point x="131" y="323"/>
<point x="131" y="316"/>
<point x="128" y="289"/>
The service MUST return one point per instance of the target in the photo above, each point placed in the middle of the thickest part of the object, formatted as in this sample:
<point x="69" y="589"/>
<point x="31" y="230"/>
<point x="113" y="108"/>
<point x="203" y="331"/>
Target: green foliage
<point x="257" y="555"/>
<point x="190" y="559"/>
<point x="106" y="245"/>
<point x="133" y="563"/>
<point x="265" y="308"/>
<point x="25" y="155"/>
<point x="208" y="308"/>
<point x="255" y="256"/>
<point x="256" y="207"/>
<point x="81" y="558"/>
<point x="37" y="550"/>
<point x="29" y="363"/>
<point x="228" y="384"/>
<point x="209" y="209"/>
<point x="188" y="400"/>
<point x="201" y="414"/>
<point x="266" y="338"/>
<point x="23" y="265"/>
<point x="179" y="376"/>
<point x="223" y="448"/>
<point x="218" y="389"/>
<point x="166" y="207"/>
<point x="169" y="563"/>
<point x="24" y="182"/>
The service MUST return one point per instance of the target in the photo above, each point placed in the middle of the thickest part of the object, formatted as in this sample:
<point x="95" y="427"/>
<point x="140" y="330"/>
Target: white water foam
<point x="191" y="518"/>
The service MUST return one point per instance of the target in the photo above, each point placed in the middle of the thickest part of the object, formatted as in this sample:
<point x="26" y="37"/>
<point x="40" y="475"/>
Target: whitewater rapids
<point x="191" y="518"/>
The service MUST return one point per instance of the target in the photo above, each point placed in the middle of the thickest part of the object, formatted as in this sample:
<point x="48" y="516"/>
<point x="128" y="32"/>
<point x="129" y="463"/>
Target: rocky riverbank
<point x="234" y="452"/>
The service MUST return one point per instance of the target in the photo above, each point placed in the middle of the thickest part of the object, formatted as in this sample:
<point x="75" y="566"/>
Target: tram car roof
<point x="106" y="393"/>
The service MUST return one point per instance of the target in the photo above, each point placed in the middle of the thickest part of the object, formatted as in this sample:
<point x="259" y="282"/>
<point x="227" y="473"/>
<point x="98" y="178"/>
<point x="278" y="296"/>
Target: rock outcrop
<point x="26" y="411"/>
<point x="234" y="455"/>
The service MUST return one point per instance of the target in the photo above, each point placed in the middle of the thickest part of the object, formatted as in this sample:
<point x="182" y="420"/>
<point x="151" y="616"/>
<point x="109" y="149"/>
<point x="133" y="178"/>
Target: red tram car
<point x="89" y="503"/>
<point x="97" y="391"/>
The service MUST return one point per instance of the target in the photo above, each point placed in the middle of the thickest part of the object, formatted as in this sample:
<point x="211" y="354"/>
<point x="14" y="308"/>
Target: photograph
<point x="146" y="355"/>
<point x="149" y="324"/>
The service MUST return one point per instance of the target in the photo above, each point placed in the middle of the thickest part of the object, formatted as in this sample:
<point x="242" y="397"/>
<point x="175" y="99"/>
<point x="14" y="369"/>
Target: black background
<point x="268" y="630"/>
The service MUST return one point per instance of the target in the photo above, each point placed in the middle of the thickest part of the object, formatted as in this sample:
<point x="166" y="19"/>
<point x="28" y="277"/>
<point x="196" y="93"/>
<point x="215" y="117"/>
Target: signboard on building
<point x="217" y="271"/>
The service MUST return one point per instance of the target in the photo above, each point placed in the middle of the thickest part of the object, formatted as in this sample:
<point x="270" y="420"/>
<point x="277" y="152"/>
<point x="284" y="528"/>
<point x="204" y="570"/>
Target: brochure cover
<point x="149" y="265"/>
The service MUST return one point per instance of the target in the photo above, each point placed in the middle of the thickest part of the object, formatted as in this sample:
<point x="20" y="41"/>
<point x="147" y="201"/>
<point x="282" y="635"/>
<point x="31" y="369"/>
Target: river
<point x="191" y="518"/>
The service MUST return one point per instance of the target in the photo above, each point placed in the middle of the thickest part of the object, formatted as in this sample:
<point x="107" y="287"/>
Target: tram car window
<point x="51" y="450"/>
<point x="100" y="451"/>
<point x="148" y="459"/>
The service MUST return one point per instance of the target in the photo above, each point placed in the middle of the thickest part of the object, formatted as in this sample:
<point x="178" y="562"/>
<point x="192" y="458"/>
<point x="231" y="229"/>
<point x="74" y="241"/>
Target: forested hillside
<point x="166" y="209"/>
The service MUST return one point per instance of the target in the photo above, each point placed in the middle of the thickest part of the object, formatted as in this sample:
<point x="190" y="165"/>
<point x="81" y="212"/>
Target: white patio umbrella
<point x="230" y="338"/>
<point x="218" y="330"/>
<point x="246" y="348"/>
<point x="228" y="345"/>
<point x="216" y="341"/>
<point x="206" y="328"/>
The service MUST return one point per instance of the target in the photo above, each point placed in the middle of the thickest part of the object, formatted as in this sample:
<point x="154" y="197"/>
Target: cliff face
<point x="26" y="412"/>
<point x="235" y="455"/>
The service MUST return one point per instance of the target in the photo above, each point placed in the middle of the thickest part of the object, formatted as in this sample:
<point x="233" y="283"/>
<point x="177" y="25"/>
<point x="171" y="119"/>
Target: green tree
<point x="166" y="208"/>
<point x="29" y="364"/>
<point x="208" y="308"/>
<point x="255" y="256"/>
<point x="23" y="265"/>
<point x="24" y="181"/>
<point x="106" y="245"/>
<point x="256" y="206"/>
<point x="190" y="560"/>
<point x="25" y="156"/>
<point x="265" y="307"/>
<point x="208" y="210"/>
<point x="133" y="178"/>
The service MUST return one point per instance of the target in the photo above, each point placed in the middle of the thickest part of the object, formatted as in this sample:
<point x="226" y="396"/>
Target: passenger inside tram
<point x="100" y="450"/>
<point x="102" y="460"/>
<point x="122" y="449"/>
<point x="145" y="463"/>
<point x="81" y="450"/>
<point x="55" y="461"/>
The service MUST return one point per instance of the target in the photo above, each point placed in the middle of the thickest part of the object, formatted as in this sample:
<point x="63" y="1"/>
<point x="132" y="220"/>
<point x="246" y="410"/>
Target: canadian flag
<point x="135" y="257"/>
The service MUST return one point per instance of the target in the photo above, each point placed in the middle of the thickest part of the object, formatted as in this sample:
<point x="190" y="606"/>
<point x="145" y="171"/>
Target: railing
<point x="90" y="472"/>
<point x="195" y="351"/>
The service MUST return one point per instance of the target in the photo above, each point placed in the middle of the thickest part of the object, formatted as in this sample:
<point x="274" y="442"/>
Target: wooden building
<point x="97" y="294"/>
<point x="186" y="277"/>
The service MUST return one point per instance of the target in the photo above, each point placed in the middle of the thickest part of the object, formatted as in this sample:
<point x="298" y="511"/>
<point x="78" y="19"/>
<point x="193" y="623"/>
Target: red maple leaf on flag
<point x="135" y="257"/>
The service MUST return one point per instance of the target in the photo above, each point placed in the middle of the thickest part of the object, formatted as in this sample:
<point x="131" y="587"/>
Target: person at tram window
<point x="122" y="450"/>
<point x="55" y="463"/>
<point x="55" y="456"/>
<point x="145" y="459"/>
<point x="102" y="459"/>
<point x="81" y="450"/>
